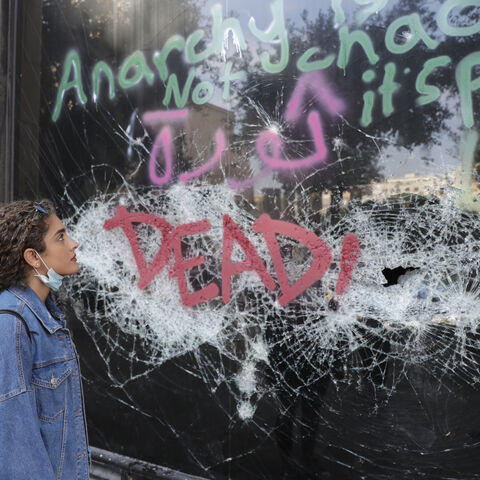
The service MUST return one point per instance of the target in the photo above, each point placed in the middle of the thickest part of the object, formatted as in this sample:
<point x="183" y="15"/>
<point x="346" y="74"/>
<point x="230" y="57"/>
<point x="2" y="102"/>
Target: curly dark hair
<point x="22" y="226"/>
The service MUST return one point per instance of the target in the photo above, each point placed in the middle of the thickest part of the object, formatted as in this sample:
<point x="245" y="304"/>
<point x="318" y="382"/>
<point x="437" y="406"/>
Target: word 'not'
<point x="269" y="228"/>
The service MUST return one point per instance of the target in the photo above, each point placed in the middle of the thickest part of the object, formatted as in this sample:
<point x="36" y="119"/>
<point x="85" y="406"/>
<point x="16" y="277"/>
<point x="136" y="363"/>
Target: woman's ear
<point x="31" y="257"/>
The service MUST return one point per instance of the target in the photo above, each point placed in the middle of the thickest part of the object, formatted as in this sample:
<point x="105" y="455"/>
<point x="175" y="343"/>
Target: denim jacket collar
<point x="47" y="313"/>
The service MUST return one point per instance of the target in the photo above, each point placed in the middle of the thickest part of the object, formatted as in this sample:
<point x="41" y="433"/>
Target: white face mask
<point x="52" y="280"/>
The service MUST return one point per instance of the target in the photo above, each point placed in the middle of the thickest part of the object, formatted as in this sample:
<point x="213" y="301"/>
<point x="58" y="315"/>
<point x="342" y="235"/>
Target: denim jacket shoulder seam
<point x="19" y="352"/>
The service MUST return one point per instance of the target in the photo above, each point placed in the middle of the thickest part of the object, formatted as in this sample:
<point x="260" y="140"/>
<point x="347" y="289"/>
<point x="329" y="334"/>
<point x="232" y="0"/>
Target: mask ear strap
<point x="46" y="266"/>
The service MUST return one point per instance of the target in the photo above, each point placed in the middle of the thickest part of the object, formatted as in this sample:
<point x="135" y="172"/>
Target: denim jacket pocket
<point x="50" y="387"/>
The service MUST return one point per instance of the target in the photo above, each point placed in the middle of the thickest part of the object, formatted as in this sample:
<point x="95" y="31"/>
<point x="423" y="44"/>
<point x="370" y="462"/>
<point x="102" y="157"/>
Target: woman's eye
<point x="61" y="237"/>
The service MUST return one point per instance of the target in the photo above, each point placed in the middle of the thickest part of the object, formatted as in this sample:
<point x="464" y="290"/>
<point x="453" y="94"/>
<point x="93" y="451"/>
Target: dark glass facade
<point x="276" y="204"/>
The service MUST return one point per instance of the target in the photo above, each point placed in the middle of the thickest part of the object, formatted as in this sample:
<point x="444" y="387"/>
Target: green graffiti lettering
<point x="202" y="93"/>
<point x="468" y="146"/>
<point x="137" y="62"/>
<point x="368" y="101"/>
<point x="305" y="65"/>
<point x="72" y="62"/>
<point x="373" y="7"/>
<point x="467" y="156"/>
<point x="348" y="39"/>
<point x="388" y="88"/>
<point x="173" y="87"/>
<point x="227" y="78"/>
<point x="102" y="67"/>
<point x="368" y="76"/>
<point x="277" y="31"/>
<point x="444" y="11"/>
<point x="417" y="33"/>
<point x="467" y="86"/>
<point x="192" y="41"/>
<point x="429" y="93"/>
<point x="176" y="42"/>
<point x="339" y="13"/>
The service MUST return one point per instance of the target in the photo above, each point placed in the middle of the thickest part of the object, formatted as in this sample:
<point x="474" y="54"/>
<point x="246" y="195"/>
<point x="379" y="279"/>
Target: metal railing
<point x="112" y="466"/>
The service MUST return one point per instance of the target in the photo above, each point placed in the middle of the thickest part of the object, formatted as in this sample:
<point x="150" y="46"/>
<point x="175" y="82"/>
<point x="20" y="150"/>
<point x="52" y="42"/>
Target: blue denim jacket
<point x="43" y="432"/>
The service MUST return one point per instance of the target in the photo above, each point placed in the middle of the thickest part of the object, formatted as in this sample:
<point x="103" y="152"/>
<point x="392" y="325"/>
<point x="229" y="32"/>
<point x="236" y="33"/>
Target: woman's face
<point x="59" y="253"/>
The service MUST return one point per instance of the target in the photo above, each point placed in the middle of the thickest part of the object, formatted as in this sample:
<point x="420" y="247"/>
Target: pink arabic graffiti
<point x="269" y="144"/>
<point x="163" y="142"/>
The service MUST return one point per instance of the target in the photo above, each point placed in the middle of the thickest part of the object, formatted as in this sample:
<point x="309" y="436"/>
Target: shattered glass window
<point x="277" y="209"/>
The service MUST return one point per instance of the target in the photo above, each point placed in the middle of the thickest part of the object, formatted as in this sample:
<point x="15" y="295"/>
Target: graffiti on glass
<point x="172" y="238"/>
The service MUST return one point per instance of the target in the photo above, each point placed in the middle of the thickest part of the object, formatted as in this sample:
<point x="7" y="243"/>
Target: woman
<point x="43" y="432"/>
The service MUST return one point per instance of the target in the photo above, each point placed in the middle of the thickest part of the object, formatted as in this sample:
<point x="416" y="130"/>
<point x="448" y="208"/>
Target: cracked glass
<point x="277" y="209"/>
